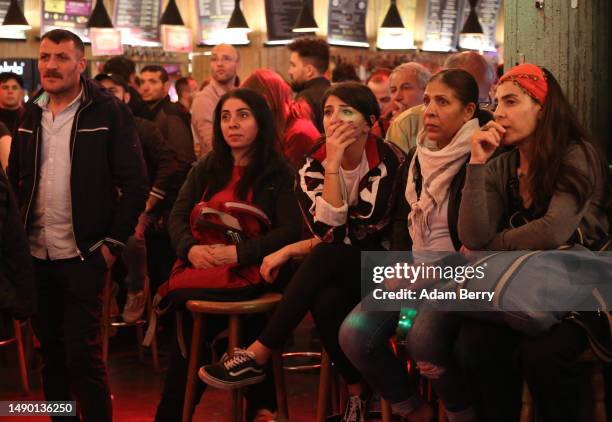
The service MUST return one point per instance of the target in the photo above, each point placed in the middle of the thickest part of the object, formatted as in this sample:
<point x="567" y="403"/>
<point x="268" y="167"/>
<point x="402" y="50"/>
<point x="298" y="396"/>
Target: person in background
<point x="293" y="124"/>
<point x="344" y="72"/>
<point x="11" y="100"/>
<point x="224" y="63"/>
<point x="378" y="82"/>
<point x="173" y="122"/>
<point x="405" y="128"/>
<point x="162" y="169"/>
<point x="126" y="68"/>
<point x="185" y="92"/>
<point x="406" y="85"/>
<point x="308" y="63"/>
<point x="87" y="148"/>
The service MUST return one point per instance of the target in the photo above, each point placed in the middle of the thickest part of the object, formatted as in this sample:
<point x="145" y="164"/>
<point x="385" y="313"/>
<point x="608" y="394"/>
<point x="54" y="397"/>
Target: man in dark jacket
<point x="75" y="147"/>
<point x="308" y="63"/>
<point x="175" y="125"/>
<point x="164" y="180"/>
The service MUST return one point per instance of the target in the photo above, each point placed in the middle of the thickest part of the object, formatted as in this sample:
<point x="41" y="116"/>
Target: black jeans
<point x="328" y="284"/>
<point x="259" y="396"/>
<point x="68" y="326"/>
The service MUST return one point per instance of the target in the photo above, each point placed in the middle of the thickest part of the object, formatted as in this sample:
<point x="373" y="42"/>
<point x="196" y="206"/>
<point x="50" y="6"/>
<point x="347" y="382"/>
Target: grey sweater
<point x="483" y="214"/>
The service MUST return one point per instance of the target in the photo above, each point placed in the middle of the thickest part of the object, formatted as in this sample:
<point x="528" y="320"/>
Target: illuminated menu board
<point x="138" y="21"/>
<point x="66" y="14"/>
<point x="15" y="35"/>
<point x="213" y="16"/>
<point x="281" y="17"/>
<point x="347" y="23"/>
<point x="441" y="25"/>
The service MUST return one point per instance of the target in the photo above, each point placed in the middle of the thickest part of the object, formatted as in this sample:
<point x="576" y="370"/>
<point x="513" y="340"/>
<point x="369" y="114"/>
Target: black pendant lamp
<point x="171" y="15"/>
<point x="305" y="21"/>
<point x="237" y="20"/>
<point x="472" y="24"/>
<point x="15" y="19"/>
<point x="99" y="17"/>
<point x="393" y="20"/>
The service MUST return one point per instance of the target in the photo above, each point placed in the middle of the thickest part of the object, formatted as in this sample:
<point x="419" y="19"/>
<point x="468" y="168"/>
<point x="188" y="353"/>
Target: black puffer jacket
<point x="17" y="291"/>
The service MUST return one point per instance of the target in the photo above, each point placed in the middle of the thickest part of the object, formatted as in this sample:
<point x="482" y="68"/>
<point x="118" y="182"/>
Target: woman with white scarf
<point x="427" y="222"/>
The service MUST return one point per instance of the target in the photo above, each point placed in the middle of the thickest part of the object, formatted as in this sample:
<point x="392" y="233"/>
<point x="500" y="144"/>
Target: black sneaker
<point x="233" y="372"/>
<point x="356" y="410"/>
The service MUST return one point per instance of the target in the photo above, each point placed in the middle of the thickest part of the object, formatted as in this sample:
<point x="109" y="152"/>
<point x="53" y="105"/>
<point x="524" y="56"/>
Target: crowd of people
<point x="108" y="174"/>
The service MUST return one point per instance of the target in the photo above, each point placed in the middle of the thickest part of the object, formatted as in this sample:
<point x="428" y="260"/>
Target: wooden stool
<point x="107" y="324"/>
<point x="18" y="340"/>
<point x="597" y="384"/>
<point x="233" y="310"/>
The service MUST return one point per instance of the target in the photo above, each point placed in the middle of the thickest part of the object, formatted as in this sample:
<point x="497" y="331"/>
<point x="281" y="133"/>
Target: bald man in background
<point x="223" y="65"/>
<point x="407" y="125"/>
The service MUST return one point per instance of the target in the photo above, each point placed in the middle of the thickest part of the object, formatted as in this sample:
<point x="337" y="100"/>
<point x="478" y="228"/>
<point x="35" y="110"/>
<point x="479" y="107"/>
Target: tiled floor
<point x="136" y="388"/>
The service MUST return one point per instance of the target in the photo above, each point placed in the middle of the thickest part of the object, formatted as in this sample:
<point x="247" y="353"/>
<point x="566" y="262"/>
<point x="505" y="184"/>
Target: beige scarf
<point x="438" y="168"/>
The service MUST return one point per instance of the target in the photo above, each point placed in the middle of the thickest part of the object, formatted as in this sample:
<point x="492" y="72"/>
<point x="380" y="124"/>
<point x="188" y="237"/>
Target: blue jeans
<point x="432" y="339"/>
<point x="364" y="338"/>
<point x="135" y="255"/>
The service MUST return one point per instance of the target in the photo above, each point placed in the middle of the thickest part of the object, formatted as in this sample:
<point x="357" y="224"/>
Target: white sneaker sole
<point x="228" y="385"/>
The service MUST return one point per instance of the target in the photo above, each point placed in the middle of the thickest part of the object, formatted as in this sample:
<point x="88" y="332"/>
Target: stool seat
<point x="262" y="304"/>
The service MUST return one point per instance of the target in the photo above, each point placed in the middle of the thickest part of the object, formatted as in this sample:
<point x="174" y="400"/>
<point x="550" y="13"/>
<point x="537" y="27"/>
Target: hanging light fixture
<point x="305" y="21"/>
<point x="15" y="19"/>
<point x="472" y="24"/>
<point x="393" y="20"/>
<point x="171" y="15"/>
<point x="237" y="22"/>
<point x="99" y="17"/>
<point x="392" y="34"/>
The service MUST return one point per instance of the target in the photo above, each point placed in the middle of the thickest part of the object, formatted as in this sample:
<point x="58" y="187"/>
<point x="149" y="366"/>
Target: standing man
<point x="11" y="100"/>
<point x="75" y="147"/>
<point x="185" y="92"/>
<point x="308" y="63"/>
<point x="171" y="119"/>
<point x="126" y="68"/>
<point x="224" y="63"/>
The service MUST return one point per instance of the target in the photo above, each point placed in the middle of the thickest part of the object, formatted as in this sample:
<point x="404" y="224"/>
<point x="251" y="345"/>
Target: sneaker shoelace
<point x="240" y="357"/>
<point x="353" y="410"/>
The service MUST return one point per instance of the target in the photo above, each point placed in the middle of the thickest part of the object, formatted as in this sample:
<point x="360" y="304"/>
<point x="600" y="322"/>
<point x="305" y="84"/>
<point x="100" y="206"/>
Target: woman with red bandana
<point x="555" y="179"/>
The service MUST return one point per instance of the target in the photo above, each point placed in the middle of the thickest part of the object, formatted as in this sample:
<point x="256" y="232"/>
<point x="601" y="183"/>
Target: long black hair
<point x="263" y="155"/>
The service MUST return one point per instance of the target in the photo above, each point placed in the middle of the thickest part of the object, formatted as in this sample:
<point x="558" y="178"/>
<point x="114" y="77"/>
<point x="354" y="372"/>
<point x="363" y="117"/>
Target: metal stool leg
<point x="385" y="410"/>
<point x="599" y="394"/>
<point x="22" y="360"/>
<point x="527" y="407"/>
<point x="192" y="372"/>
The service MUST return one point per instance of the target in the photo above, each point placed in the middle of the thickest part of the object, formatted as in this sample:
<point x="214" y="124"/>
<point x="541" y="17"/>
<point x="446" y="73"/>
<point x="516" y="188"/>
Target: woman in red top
<point x="292" y="119"/>
<point x="243" y="166"/>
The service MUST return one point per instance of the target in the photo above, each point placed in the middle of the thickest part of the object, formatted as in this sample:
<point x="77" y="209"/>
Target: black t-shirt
<point x="4" y="130"/>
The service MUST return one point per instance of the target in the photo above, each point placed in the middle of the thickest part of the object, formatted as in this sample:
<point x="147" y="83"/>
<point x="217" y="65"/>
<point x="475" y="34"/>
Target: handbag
<point x="213" y="223"/>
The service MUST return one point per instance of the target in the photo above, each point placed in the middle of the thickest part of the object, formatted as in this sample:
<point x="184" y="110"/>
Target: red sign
<point x="177" y="39"/>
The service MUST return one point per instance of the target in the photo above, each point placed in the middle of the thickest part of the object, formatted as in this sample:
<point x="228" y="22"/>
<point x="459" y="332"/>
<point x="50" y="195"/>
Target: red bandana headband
<point x="530" y="78"/>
